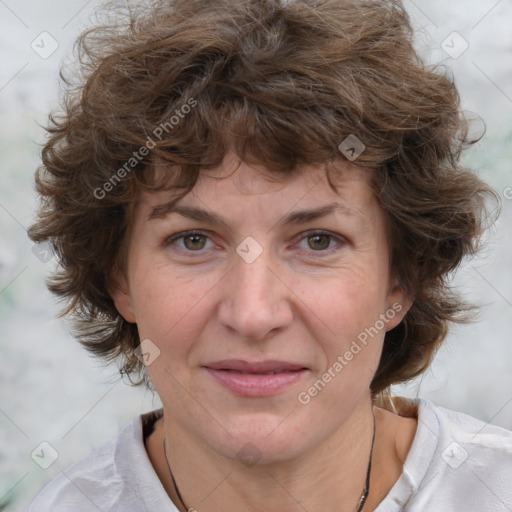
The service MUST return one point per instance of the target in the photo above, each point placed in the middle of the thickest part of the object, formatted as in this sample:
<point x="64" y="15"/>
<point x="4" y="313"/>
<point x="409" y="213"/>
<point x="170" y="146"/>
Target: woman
<point x="256" y="206"/>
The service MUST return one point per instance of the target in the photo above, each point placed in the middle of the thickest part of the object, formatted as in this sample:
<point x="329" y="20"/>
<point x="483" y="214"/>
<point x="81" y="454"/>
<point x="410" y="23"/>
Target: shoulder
<point x="83" y="485"/>
<point x="465" y="437"/>
<point x="441" y="424"/>
<point x="458" y="462"/>
<point x="114" y="478"/>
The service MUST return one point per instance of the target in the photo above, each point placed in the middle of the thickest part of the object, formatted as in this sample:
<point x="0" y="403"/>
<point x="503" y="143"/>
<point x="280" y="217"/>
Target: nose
<point x="255" y="300"/>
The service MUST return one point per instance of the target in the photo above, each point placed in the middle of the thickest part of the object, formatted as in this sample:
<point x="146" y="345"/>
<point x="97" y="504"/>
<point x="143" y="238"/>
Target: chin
<point x="260" y="439"/>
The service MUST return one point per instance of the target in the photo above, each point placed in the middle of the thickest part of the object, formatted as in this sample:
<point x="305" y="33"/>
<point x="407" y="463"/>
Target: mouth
<point x="273" y="372"/>
<point x="256" y="379"/>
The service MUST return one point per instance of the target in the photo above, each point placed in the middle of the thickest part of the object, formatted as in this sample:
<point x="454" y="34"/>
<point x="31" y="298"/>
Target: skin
<point x="304" y="299"/>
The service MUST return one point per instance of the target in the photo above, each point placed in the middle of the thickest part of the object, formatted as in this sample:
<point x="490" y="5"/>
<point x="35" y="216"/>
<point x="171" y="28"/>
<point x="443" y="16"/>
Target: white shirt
<point x="455" y="463"/>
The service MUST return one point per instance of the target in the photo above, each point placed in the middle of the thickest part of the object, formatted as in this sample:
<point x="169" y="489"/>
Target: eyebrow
<point x="293" y="218"/>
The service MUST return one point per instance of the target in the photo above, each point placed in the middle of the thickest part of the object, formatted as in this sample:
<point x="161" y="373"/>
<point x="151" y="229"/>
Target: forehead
<point x="246" y="197"/>
<point x="252" y="198"/>
<point x="235" y="184"/>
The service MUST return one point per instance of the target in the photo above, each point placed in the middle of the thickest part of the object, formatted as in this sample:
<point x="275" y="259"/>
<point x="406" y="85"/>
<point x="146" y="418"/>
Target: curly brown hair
<point x="280" y="83"/>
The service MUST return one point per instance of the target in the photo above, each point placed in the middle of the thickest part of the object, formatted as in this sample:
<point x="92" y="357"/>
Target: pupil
<point x="197" y="239"/>
<point x="325" y="238"/>
<point x="194" y="239"/>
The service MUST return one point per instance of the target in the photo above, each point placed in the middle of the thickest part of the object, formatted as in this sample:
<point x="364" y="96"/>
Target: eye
<point x="320" y="241"/>
<point x="193" y="241"/>
<point x="197" y="241"/>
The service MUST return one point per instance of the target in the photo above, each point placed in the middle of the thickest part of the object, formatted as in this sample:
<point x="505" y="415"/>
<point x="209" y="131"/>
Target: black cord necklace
<point x="366" y="490"/>
<point x="362" y="500"/>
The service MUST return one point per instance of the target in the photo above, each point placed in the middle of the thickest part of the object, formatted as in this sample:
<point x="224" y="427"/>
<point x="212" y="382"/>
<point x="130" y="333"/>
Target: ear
<point x="120" y="292"/>
<point x="398" y="304"/>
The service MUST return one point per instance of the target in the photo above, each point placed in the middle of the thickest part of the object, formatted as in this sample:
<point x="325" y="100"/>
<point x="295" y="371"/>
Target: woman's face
<point x="307" y="296"/>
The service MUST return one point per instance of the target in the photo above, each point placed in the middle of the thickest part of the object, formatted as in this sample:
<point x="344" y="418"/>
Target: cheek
<point x="347" y="312"/>
<point x="171" y="312"/>
<point x="346" y="302"/>
<point x="168" y="306"/>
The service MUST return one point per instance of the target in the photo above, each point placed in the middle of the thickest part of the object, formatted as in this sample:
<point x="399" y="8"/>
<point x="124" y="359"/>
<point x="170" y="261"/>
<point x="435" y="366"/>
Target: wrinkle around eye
<point x="337" y="239"/>
<point x="339" y="243"/>
<point x="172" y="239"/>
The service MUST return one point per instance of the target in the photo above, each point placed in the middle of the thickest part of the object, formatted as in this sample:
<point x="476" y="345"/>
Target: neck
<point x="331" y="477"/>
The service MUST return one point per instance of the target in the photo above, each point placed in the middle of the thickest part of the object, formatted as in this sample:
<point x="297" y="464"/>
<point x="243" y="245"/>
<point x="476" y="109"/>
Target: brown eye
<point x="188" y="242"/>
<point x="194" y="242"/>
<point x="319" y="242"/>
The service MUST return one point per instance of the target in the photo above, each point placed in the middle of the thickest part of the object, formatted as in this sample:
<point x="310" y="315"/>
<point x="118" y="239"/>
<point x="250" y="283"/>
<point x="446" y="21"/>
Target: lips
<point x="263" y="367"/>
<point x="255" y="379"/>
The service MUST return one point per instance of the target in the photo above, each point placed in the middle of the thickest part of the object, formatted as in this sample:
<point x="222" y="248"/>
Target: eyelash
<point x="184" y="234"/>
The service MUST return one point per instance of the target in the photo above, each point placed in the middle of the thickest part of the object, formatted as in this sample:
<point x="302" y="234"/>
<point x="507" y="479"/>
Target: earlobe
<point x="119" y="291"/>
<point x="399" y="304"/>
